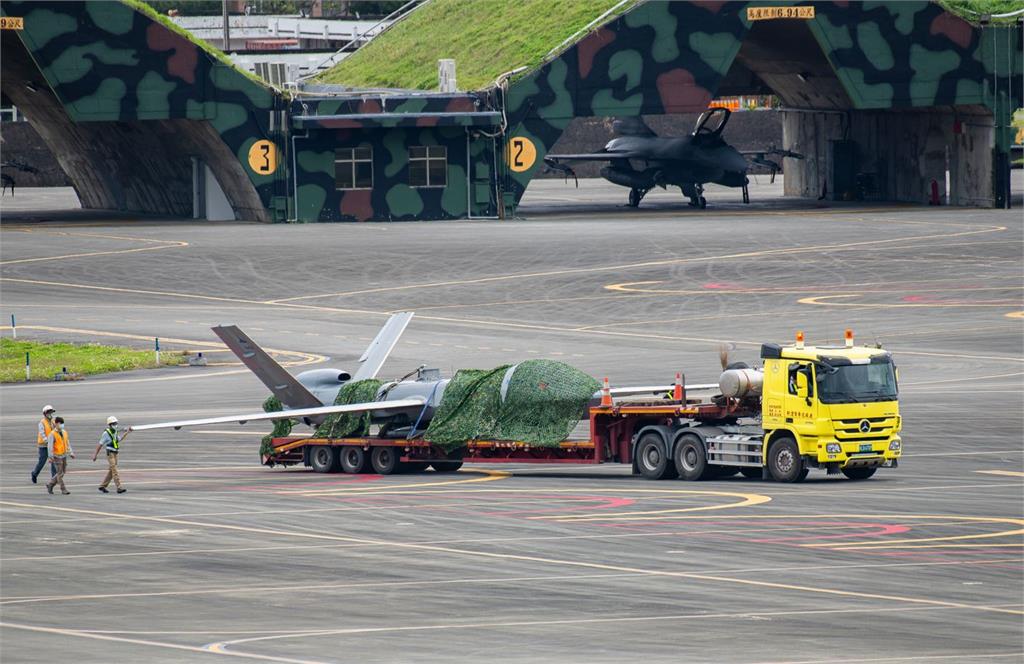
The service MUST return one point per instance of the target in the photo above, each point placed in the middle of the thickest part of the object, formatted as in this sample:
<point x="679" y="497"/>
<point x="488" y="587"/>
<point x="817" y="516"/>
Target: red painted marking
<point x="182" y="63"/>
<point x="953" y="28"/>
<point x="680" y="93"/>
<point x="716" y="285"/>
<point x="589" y="47"/>
<point x="357" y="203"/>
<point x="602" y="503"/>
<point x="863" y="530"/>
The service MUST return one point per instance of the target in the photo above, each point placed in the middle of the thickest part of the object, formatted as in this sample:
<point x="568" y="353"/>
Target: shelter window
<point x="428" y="166"/>
<point x="353" y="168"/>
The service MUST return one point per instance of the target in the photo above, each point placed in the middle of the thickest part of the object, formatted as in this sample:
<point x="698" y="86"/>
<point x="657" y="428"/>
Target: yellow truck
<point x="828" y="407"/>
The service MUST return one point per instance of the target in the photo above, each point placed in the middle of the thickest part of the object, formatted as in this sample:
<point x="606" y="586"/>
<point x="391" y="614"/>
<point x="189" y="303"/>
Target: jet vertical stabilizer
<point x="377" y="352"/>
<point x="284" y="386"/>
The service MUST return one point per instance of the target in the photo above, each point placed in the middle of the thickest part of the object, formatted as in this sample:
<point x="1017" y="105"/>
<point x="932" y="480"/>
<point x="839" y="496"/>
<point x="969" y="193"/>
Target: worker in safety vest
<point x="43" y="439"/>
<point x="112" y="443"/>
<point x="60" y="450"/>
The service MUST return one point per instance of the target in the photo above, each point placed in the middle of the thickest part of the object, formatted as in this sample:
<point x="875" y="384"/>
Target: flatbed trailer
<point x="615" y="432"/>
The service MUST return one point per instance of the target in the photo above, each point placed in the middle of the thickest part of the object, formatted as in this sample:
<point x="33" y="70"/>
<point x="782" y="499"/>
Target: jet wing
<point x="296" y="414"/>
<point x="595" y="156"/>
<point x="377" y="352"/>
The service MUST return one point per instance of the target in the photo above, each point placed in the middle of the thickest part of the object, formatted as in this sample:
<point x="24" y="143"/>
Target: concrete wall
<point x="904" y="151"/>
<point x="19" y="141"/>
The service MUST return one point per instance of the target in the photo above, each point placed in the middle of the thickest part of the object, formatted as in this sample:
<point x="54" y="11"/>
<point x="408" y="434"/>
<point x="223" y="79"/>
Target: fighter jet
<point x="641" y="160"/>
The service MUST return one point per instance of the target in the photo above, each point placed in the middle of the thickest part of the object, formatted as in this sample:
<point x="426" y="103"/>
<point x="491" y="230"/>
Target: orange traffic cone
<point x="606" y="394"/>
<point x="677" y="392"/>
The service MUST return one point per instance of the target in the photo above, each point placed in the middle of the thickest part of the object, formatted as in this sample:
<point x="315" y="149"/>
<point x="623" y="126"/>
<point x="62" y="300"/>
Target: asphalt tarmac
<point x="209" y="555"/>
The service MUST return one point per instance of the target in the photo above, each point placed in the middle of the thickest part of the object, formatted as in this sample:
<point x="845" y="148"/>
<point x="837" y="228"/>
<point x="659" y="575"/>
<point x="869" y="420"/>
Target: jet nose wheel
<point x="702" y="202"/>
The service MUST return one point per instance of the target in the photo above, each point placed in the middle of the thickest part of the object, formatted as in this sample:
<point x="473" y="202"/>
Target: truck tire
<point x="446" y="466"/>
<point x="384" y="460"/>
<point x="651" y="459"/>
<point x="785" y="462"/>
<point x="354" y="459"/>
<point x="691" y="459"/>
<point x="751" y="473"/>
<point x="323" y="459"/>
<point x="859" y="473"/>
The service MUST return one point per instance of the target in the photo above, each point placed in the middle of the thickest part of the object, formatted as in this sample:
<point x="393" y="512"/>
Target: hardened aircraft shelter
<point x="903" y="100"/>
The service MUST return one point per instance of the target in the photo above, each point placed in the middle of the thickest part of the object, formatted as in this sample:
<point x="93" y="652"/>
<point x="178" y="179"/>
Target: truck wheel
<point x="446" y="466"/>
<point x="384" y="460"/>
<point x="859" y="473"/>
<point x="691" y="461"/>
<point x="785" y="462"/>
<point x="751" y="473"/>
<point x="353" y="459"/>
<point x="651" y="459"/>
<point x="323" y="459"/>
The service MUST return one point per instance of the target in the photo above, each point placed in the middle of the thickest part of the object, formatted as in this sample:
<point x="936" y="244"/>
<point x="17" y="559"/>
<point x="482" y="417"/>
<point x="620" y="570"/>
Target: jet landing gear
<point x="746" y="194"/>
<point x="636" y="195"/>
<point x="696" y="195"/>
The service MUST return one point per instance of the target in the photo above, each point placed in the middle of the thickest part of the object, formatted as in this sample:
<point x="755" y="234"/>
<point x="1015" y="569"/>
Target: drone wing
<point x="297" y="414"/>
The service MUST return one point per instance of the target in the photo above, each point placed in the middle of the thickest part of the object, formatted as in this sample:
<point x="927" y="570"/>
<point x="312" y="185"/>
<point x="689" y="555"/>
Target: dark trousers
<point x="44" y="454"/>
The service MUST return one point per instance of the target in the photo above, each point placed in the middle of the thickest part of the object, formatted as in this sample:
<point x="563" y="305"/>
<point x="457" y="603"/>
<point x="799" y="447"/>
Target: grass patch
<point x="486" y="38"/>
<point x="50" y="358"/>
<point x="209" y="49"/>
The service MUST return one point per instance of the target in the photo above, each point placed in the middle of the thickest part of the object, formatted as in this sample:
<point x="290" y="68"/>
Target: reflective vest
<point x="112" y="445"/>
<point x="60" y="443"/>
<point x="47" y="430"/>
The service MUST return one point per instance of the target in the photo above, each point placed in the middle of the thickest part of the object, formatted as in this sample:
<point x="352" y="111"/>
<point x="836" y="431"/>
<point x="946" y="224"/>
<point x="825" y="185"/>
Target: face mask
<point x="60" y="427"/>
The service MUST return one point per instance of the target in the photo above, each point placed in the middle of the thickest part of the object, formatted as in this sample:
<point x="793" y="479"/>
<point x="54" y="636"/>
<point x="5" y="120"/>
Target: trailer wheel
<point x="446" y="466"/>
<point x="323" y="459"/>
<point x="384" y="460"/>
<point x="785" y="462"/>
<point x="859" y="473"/>
<point x="691" y="459"/>
<point x="354" y="459"/>
<point x="651" y="459"/>
<point x="751" y="473"/>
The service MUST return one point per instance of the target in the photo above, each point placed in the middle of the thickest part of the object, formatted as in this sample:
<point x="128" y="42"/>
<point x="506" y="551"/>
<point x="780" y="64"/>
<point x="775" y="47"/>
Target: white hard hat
<point x="111" y="420"/>
<point x="48" y="409"/>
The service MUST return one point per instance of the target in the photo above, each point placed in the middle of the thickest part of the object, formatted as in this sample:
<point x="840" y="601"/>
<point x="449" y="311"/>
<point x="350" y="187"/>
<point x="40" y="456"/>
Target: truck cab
<point x="831" y="407"/>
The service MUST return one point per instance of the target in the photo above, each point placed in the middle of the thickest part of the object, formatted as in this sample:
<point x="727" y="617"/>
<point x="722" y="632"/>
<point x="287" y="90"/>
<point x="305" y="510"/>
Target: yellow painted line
<point x="745" y="500"/>
<point x="1015" y="314"/>
<point x="660" y="263"/>
<point x="145" y="642"/>
<point x="849" y="290"/>
<point x="1009" y="473"/>
<point x="820" y="301"/>
<point x="489" y="476"/>
<point x="163" y="244"/>
<point x="818" y="590"/>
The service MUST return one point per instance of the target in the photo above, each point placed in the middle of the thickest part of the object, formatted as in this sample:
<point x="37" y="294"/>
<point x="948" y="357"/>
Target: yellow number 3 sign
<point x="521" y="154"/>
<point x="263" y="157"/>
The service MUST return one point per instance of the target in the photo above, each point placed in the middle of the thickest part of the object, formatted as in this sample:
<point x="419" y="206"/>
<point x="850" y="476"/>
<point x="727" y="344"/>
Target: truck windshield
<point x="856" y="383"/>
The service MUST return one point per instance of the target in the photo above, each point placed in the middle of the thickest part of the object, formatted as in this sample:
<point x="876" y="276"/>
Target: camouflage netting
<point x="343" y="425"/>
<point x="282" y="428"/>
<point x="544" y="400"/>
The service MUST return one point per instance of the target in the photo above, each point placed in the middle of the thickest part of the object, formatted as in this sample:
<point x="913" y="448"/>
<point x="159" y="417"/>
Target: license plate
<point x="865" y="447"/>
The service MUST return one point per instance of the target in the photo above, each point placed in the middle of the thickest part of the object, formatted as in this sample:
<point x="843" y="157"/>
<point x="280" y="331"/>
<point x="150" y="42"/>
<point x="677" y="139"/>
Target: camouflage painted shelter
<point x="142" y="118"/>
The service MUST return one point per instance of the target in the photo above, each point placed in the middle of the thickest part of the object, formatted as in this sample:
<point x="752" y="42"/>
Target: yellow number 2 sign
<point x="263" y="157"/>
<point x="521" y="153"/>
